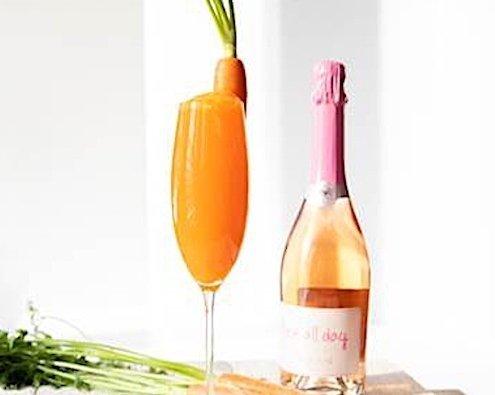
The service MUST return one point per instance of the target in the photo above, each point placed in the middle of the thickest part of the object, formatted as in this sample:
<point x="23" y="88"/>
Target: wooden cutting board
<point x="390" y="383"/>
<point x="399" y="383"/>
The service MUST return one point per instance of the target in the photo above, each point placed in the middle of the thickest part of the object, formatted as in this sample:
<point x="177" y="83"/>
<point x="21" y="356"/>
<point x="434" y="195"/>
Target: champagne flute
<point x="209" y="195"/>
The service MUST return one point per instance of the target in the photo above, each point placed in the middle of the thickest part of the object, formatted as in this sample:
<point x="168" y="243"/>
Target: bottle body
<point x="324" y="288"/>
<point x="325" y="277"/>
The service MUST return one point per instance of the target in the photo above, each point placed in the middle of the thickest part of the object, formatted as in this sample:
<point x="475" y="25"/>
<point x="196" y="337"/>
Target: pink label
<point x="320" y="341"/>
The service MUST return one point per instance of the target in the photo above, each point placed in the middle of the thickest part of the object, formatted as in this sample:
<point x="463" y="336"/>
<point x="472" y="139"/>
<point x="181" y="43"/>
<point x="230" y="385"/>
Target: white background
<point x="86" y="225"/>
<point x="72" y="164"/>
<point x="437" y="134"/>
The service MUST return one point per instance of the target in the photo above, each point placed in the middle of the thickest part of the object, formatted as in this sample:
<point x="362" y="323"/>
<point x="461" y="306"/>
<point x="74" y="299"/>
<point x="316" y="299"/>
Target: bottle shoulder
<point x="335" y="221"/>
<point x="326" y="249"/>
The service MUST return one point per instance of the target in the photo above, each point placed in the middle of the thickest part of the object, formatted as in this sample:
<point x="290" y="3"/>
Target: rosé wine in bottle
<point x="325" y="274"/>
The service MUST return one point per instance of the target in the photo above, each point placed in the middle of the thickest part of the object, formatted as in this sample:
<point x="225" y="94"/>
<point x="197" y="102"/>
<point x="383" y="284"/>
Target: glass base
<point x="332" y="385"/>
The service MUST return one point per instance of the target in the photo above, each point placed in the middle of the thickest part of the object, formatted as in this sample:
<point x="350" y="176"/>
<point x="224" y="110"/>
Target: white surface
<point x="72" y="231"/>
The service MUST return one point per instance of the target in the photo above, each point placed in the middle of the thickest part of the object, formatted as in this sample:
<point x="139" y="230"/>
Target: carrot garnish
<point x="230" y="75"/>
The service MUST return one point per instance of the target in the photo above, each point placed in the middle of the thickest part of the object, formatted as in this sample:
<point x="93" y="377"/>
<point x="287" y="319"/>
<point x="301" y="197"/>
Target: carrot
<point x="230" y="76"/>
<point x="252" y="386"/>
<point x="236" y="384"/>
<point x="219" y="389"/>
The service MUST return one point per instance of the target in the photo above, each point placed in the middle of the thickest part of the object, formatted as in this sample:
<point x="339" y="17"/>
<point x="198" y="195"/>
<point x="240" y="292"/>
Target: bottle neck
<point x="327" y="165"/>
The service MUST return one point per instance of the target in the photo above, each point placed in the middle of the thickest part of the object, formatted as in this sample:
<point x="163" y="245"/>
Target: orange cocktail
<point x="209" y="194"/>
<point x="210" y="185"/>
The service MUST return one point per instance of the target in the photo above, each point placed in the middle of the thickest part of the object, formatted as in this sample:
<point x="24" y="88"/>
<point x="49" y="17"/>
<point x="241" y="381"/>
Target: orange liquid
<point x="210" y="185"/>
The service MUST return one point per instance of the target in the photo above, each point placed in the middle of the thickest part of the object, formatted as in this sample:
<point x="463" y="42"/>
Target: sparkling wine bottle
<point x="325" y="273"/>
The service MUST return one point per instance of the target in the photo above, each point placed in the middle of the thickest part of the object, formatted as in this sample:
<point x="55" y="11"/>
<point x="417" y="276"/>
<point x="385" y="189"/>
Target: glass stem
<point x="209" y="299"/>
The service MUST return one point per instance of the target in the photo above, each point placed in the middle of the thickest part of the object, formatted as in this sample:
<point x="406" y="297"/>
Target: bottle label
<point x="320" y="341"/>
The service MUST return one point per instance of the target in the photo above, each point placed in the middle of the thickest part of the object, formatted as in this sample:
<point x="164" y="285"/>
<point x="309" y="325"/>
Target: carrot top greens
<point x="224" y="18"/>
<point x="35" y="360"/>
